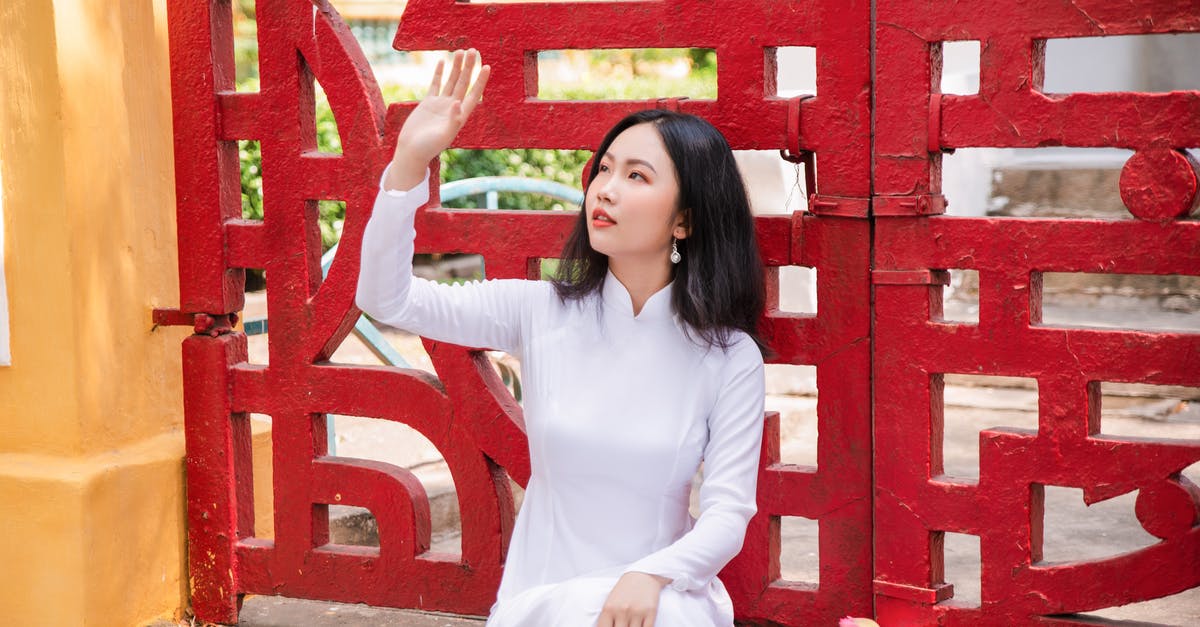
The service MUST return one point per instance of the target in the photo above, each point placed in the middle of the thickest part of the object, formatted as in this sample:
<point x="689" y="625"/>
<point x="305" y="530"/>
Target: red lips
<point x="600" y="217"/>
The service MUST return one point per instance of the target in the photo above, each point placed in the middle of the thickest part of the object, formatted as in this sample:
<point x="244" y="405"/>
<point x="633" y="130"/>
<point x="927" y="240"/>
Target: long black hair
<point x="718" y="284"/>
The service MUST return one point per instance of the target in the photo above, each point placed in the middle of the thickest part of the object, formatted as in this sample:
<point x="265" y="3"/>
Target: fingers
<point x="626" y="618"/>
<point x="473" y="97"/>
<point x="455" y="71"/>
<point x="464" y="79"/>
<point x="458" y="84"/>
<point x="435" y="86"/>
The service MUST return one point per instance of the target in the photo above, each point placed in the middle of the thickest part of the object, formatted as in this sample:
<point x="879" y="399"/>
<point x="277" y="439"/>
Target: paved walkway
<point x="278" y="612"/>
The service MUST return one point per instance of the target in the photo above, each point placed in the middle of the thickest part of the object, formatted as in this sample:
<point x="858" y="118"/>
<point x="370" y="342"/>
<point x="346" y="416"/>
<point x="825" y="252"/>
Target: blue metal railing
<point x="491" y="186"/>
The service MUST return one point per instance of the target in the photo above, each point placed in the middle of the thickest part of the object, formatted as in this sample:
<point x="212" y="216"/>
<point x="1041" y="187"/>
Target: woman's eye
<point x="603" y="168"/>
<point x="637" y="174"/>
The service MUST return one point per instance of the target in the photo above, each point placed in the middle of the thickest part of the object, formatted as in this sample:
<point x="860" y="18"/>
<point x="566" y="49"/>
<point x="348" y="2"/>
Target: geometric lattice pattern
<point x="874" y="232"/>
<point x="914" y="502"/>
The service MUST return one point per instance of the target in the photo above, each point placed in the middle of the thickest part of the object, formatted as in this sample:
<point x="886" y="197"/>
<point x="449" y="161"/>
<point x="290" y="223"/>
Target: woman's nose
<point x="605" y="192"/>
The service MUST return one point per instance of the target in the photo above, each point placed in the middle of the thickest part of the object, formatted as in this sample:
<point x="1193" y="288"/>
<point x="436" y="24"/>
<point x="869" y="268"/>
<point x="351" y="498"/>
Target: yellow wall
<point x="91" y="446"/>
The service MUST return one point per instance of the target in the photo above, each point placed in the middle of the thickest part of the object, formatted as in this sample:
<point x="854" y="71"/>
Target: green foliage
<point x="549" y="268"/>
<point x="330" y="215"/>
<point x="328" y="138"/>
<point x="245" y="40"/>
<point x="250" y="157"/>
<point x="703" y="59"/>
<point x="626" y="78"/>
<point x="562" y="166"/>
<point x="698" y="84"/>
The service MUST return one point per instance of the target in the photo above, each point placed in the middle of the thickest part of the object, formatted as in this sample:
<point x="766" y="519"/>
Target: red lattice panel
<point x="466" y="412"/>
<point x="915" y="503"/>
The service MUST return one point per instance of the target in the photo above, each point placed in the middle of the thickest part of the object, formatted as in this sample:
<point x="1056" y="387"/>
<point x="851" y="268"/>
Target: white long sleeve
<point x="481" y="314"/>
<point x="729" y="488"/>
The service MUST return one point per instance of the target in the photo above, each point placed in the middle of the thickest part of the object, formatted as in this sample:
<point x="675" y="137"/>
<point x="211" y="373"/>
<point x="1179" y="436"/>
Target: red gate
<point x="915" y="504"/>
<point x="873" y="234"/>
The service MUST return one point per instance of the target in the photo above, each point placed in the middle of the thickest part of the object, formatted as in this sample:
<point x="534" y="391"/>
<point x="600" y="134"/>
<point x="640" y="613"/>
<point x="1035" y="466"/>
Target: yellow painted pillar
<point x="92" y="524"/>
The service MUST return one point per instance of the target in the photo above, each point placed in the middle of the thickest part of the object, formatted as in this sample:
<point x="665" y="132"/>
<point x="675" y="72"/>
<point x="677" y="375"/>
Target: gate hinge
<point x="201" y="323"/>
<point x="914" y="205"/>
<point x="842" y="206"/>
<point x="793" y="153"/>
<point x="933" y="137"/>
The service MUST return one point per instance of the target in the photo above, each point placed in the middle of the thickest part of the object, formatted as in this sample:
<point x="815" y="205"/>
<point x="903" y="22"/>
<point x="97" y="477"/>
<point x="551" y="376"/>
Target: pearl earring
<point x="675" y="256"/>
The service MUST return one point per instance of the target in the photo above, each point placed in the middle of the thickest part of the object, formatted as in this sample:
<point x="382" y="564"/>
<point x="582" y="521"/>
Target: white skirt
<point x="577" y="602"/>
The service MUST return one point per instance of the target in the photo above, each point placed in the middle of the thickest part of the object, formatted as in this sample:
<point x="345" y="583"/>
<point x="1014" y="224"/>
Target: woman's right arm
<point x="478" y="314"/>
<point x="485" y="314"/>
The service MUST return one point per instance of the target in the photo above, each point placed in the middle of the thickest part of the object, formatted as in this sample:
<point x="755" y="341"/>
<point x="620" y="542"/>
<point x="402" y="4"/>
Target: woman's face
<point x="633" y="201"/>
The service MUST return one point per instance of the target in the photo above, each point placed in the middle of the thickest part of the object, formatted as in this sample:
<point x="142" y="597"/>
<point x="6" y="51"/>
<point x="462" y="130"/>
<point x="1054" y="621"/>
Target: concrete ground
<point x="280" y="612"/>
<point x="1073" y="531"/>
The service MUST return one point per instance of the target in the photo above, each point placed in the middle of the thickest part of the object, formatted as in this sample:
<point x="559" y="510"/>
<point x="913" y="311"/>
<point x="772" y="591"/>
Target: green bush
<point x="699" y="84"/>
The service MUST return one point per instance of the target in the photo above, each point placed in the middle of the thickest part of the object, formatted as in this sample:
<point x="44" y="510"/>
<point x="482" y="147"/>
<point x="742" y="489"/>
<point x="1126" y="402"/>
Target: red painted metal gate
<point x="874" y="233"/>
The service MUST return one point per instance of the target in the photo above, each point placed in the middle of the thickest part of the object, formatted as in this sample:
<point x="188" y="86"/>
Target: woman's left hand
<point x="633" y="602"/>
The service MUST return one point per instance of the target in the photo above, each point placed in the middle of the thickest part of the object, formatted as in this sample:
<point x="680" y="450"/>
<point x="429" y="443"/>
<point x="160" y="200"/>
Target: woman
<point x="638" y="362"/>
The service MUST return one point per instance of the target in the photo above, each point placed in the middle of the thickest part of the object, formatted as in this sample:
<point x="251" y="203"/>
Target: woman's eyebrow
<point x="610" y="155"/>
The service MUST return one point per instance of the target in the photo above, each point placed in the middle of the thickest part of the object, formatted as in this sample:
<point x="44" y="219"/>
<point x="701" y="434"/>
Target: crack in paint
<point x="841" y="506"/>
<point x="1078" y="363"/>
<point x="1002" y="116"/>
<point x="842" y="348"/>
<point x="901" y="503"/>
<point x="1089" y="17"/>
<point x="903" y="28"/>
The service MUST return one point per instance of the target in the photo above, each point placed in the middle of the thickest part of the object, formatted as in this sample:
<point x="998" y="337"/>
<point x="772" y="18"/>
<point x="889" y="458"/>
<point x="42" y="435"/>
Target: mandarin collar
<point x="617" y="298"/>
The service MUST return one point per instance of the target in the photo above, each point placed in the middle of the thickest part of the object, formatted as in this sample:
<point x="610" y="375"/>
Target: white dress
<point x="620" y="410"/>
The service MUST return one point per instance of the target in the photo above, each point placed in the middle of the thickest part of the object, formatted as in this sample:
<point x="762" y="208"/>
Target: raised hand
<point x="436" y="120"/>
